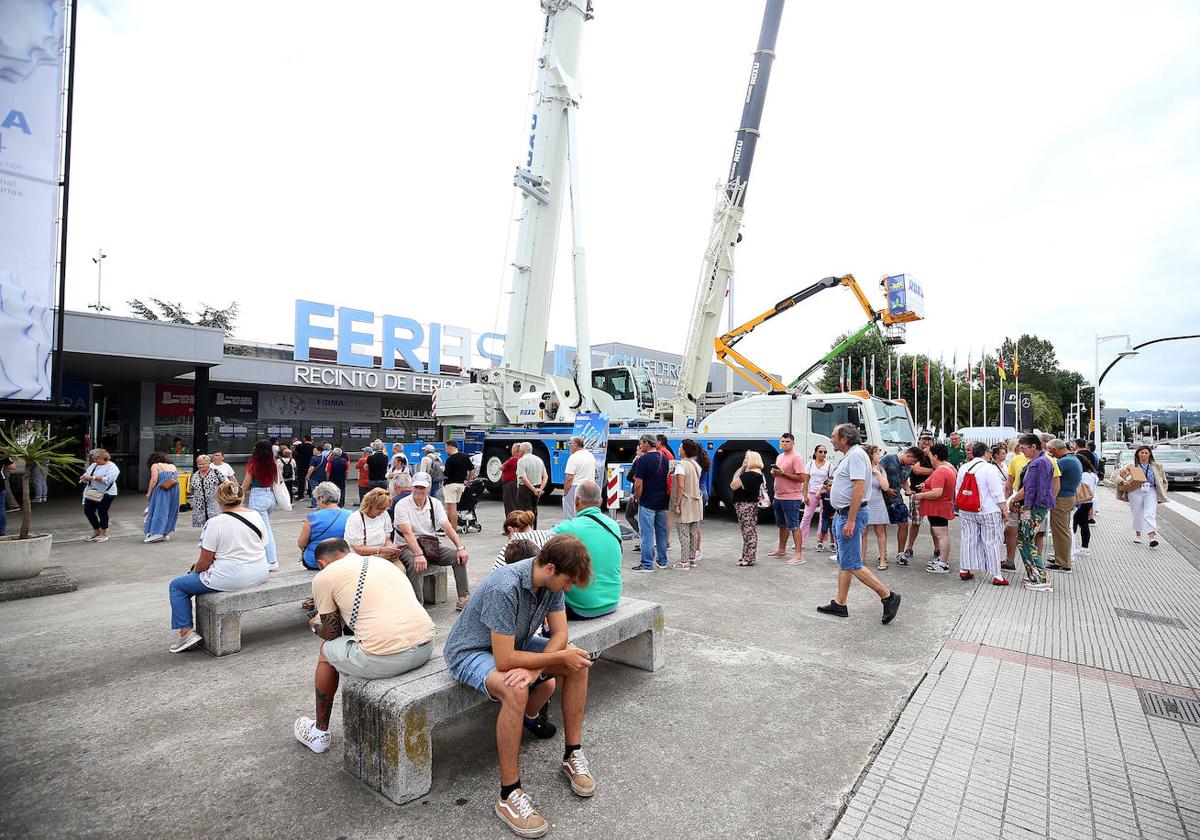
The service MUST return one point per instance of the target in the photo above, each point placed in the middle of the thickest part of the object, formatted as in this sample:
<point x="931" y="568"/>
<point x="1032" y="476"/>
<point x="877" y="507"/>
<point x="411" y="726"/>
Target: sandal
<point x="746" y="562"/>
<point x="682" y="565"/>
<point x="882" y="565"/>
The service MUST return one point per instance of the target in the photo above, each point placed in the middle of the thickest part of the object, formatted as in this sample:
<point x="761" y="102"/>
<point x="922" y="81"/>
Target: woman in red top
<point x="508" y="480"/>
<point x="937" y="504"/>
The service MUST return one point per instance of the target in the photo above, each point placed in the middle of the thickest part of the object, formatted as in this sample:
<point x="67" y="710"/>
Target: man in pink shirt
<point x="791" y="488"/>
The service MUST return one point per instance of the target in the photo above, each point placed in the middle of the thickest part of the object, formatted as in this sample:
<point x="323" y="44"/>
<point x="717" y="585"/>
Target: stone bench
<point x="219" y="614"/>
<point x="387" y="724"/>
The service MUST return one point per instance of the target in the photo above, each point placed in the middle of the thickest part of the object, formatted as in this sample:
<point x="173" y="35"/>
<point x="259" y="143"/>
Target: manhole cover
<point x="1170" y="708"/>
<point x="1151" y="618"/>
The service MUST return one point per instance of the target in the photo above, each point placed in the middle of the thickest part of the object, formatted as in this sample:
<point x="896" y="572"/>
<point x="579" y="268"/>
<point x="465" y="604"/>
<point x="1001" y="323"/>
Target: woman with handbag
<point x="162" y="499"/>
<point x="1143" y="485"/>
<point x="1084" y="496"/>
<point x="100" y="488"/>
<point x="748" y="487"/>
<point x="232" y="556"/>
<point x="369" y="530"/>
<point x="202" y="491"/>
<point x="262" y="474"/>
<point x="326" y="522"/>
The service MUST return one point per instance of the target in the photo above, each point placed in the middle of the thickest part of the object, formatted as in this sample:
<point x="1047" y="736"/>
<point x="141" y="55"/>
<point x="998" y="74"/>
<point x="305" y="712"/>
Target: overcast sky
<point x="1036" y="166"/>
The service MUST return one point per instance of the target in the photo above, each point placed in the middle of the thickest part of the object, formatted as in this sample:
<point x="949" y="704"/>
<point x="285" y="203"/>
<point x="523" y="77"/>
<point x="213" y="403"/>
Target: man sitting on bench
<point x="372" y="598"/>
<point x="495" y="647"/>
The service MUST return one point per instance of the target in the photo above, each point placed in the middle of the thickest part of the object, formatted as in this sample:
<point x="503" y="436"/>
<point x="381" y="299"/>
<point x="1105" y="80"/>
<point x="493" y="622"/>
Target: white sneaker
<point x="153" y="538"/>
<point x="937" y="566"/>
<point x="696" y="558"/>
<point x="1086" y="552"/>
<point x="189" y="641"/>
<point x="1137" y="540"/>
<point x="92" y="538"/>
<point x="1039" y="587"/>
<point x="311" y="737"/>
<point x="101" y="538"/>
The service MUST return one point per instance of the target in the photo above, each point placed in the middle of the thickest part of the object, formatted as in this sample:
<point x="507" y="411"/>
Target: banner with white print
<point x="31" y="82"/>
<point x="593" y="428"/>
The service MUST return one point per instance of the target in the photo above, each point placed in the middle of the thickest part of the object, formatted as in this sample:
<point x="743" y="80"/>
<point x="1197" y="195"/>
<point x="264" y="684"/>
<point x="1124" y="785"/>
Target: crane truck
<point x="518" y="402"/>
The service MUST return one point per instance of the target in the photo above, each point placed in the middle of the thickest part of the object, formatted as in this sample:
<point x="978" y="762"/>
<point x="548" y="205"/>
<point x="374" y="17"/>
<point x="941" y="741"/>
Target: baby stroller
<point x="468" y="520"/>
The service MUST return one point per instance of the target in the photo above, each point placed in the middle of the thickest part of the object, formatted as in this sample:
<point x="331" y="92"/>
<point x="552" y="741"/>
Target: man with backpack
<point x="979" y="496"/>
<point x="432" y="464"/>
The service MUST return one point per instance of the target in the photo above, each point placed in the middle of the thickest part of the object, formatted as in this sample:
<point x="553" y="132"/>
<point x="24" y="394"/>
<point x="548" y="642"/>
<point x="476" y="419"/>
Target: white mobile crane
<point x="518" y="392"/>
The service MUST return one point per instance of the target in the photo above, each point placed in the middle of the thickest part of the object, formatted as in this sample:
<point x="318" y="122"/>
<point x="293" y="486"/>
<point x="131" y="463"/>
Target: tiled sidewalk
<point x="1030" y="722"/>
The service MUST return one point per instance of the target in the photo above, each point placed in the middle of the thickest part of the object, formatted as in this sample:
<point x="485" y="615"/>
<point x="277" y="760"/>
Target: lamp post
<point x="1178" y="422"/>
<point x="1128" y="351"/>
<point x="100" y="255"/>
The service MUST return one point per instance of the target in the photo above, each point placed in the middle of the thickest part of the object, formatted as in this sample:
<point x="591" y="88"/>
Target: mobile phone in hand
<point x="311" y="614"/>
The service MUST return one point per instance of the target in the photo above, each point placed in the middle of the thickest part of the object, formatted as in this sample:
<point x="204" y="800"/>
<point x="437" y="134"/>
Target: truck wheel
<point x="492" y="466"/>
<point x="721" y="491"/>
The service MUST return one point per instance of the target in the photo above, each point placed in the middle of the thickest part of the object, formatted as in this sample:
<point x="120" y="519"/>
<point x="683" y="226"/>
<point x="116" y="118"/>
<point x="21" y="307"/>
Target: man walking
<point x="916" y="483"/>
<point x="459" y="472"/>
<point x="650" y="472"/>
<point x="496" y="647"/>
<point x="898" y="468"/>
<point x="1070" y="475"/>
<point x="1036" y="496"/>
<point x="581" y="466"/>
<point x="791" y="488"/>
<point x="848" y="497"/>
<point x="531" y="481"/>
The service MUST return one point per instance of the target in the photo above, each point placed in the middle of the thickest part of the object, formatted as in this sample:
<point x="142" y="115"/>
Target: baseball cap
<point x="925" y="433"/>
<point x="422" y="479"/>
<point x="429" y="447"/>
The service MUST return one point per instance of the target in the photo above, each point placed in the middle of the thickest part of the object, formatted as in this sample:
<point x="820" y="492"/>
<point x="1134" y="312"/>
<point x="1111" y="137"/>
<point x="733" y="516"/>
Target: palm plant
<point x="35" y="448"/>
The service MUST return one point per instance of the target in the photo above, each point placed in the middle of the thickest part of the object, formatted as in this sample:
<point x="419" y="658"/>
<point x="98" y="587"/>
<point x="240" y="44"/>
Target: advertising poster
<point x="31" y="83"/>
<point x="593" y="428"/>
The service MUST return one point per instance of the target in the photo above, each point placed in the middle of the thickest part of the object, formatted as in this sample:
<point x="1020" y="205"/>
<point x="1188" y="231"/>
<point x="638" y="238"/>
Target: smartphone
<point x="311" y="614"/>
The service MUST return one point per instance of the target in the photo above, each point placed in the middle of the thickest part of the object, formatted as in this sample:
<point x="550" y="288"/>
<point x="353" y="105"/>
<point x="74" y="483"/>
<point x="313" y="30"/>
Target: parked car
<point x="1180" y="466"/>
<point x="1111" y="450"/>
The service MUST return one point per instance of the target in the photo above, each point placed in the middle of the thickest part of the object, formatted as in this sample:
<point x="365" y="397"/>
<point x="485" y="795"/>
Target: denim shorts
<point x="849" y="549"/>
<point x="787" y="513"/>
<point x="476" y="667"/>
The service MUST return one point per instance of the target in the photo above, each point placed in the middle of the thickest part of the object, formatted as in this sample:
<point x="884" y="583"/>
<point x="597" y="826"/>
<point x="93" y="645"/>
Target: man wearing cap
<point x="916" y="483"/>
<point x="459" y="472"/>
<point x="1070" y="475"/>
<point x="420" y="515"/>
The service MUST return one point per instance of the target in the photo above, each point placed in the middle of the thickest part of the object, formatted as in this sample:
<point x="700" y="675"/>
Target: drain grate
<point x="1151" y="618"/>
<point x="1170" y="708"/>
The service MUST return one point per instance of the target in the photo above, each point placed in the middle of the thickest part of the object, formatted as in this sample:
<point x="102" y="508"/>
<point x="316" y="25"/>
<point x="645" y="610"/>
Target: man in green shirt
<point x="602" y="538"/>
<point x="958" y="452"/>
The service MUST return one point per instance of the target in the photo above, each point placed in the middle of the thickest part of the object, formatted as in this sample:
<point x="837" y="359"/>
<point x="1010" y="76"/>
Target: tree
<point x="222" y="319"/>
<point x="36" y="449"/>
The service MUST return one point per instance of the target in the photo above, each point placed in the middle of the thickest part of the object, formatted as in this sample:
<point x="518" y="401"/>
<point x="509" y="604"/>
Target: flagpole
<point x="928" y="418"/>
<point x="1017" y="382"/>
<point x="1000" y="382"/>
<point x="970" y="392"/>
<point x="954" y="379"/>
<point x="983" y="382"/>
<point x="942" y="379"/>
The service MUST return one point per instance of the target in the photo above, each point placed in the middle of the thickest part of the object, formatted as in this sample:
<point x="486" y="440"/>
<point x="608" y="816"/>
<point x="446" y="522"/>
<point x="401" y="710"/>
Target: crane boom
<point x="727" y="223"/>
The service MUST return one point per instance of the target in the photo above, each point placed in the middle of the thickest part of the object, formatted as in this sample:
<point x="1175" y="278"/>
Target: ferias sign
<point x="357" y="333"/>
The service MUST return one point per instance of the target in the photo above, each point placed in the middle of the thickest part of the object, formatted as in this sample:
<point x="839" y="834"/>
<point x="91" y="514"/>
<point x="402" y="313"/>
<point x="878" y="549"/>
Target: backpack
<point x="967" y="498"/>
<point x="437" y="471"/>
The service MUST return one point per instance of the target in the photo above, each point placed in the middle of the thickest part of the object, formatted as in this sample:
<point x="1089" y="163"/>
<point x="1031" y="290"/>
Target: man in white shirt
<point x="848" y="495"/>
<point x="981" y="536"/>
<point x="219" y="466"/>
<point x="581" y="466"/>
<point x="420" y="515"/>
<point x="531" y="481"/>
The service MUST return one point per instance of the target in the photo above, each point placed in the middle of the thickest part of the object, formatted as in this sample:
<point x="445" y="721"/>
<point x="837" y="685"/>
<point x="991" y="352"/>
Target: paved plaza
<point x="980" y="712"/>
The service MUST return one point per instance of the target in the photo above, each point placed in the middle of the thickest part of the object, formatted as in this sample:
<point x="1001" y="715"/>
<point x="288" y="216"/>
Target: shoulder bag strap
<point x="362" y="578"/>
<point x="363" y="517"/>
<point x="245" y="521"/>
<point x="602" y="524"/>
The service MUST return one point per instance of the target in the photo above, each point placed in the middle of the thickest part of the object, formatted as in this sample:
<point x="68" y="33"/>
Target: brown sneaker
<point x="518" y="813"/>
<point x="576" y="770"/>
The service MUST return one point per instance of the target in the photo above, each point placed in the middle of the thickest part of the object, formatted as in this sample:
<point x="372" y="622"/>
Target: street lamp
<point x="1128" y="351"/>
<point x="100" y="255"/>
<point x="1178" y="422"/>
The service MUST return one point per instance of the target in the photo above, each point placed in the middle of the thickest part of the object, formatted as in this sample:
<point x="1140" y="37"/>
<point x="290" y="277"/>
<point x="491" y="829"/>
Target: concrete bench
<point x="219" y="614"/>
<point x="387" y="724"/>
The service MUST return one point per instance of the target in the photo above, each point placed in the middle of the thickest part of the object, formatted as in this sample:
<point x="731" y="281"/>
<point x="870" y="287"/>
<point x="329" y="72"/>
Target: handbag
<point x="1084" y="494"/>
<point x="93" y="493"/>
<point x="430" y="545"/>
<point x="283" y="496"/>
<point x="764" y="498"/>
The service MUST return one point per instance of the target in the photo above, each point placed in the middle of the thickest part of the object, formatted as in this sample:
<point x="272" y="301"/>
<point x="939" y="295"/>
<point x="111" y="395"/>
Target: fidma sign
<point x="357" y="333"/>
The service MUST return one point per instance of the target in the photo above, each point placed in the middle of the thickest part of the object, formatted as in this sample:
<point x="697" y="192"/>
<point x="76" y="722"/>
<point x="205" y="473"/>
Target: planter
<point x="24" y="558"/>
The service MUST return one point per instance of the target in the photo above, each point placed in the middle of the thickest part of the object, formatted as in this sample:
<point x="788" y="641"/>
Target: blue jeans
<point x="182" y="589"/>
<point x="312" y="485"/>
<point x="262" y="499"/>
<point x="849" y="549"/>
<point x="653" y="527"/>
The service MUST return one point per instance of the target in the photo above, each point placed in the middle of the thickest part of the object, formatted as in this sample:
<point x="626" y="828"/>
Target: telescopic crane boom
<point x="727" y="223"/>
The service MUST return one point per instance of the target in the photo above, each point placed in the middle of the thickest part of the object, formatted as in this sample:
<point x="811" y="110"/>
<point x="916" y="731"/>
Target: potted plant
<point x="26" y="554"/>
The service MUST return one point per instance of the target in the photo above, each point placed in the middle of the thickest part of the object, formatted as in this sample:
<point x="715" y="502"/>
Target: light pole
<point x="1178" y="422"/>
<point x="1079" y="411"/>
<point x="1128" y="351"/>
<point x="98" y="260"/>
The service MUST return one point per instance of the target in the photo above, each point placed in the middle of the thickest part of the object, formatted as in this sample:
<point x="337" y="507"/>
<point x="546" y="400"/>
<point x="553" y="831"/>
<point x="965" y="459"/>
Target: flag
<point x="864" y="373"/>
<point x="914" y="378"/>
<point x="1000" y="365"/>
<point x="841" y="374"/>
<point x="926" y="370"/>
<point x="888" y="381"/>
<point x="969" y="373"/>
<point x="872" y="373"/>
<point x="1016" y="361"/>
<point x="983" y="368"/>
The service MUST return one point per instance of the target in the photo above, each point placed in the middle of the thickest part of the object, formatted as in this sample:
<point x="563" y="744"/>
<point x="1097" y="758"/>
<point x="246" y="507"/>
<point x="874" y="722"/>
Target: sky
<point x="1037" y="167"/>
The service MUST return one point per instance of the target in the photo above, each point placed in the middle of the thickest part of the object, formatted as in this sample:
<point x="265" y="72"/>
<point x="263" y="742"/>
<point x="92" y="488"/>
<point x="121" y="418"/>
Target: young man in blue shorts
<point x="496" y="647"/>
<point x="848" y="495"/>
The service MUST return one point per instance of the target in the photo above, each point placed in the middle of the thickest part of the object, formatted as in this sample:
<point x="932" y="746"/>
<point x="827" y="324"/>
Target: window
<point x="615" y="382"/>
<point x="823" y="420"/>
